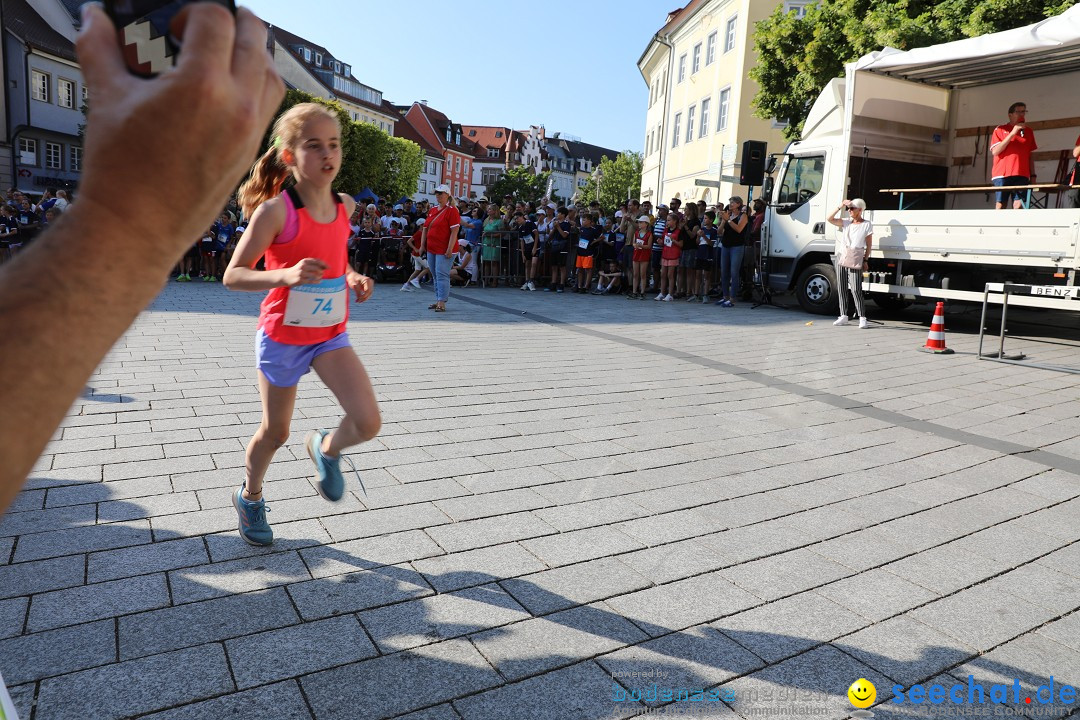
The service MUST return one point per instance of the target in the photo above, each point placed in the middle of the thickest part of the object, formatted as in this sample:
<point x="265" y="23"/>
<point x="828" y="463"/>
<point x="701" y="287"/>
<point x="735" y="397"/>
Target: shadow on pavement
<point x="372" y="628"/>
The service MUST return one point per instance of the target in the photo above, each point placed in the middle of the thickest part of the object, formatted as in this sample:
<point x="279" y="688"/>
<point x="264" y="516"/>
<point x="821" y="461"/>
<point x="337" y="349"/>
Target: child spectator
<point x="708" y="238"/>
<point x="670" y="252"/>
<point x="465" y="269"/>
<point x="610" y="281"/>
<point x="558" y="248"/>
<point x="691" y="229"/>
<point x="419" y="262"/>
<point x="642" y="253"/>
<point x="29" y="222"/>
<point x="530" y="246"/>
<point x="659" y="228"/>
<point x="588" y="243"/>
<point x="365" y="245"/>
<point x="223" y="230"/>
<point x="9" y="232"/>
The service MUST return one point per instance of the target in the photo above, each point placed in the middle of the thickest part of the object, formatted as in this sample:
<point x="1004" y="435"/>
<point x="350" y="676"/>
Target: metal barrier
<point x="1053" y="292"/>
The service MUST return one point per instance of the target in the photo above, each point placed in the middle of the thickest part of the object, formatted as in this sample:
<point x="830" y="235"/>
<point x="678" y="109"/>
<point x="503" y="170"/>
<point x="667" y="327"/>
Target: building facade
<point x="699" y="112"/>
<point x="307" y="66"/>
<point x="431" y="173"/>
<point x="495" y="150"/>
<point x="457" y="151"/>
<point x="43" y="98"/>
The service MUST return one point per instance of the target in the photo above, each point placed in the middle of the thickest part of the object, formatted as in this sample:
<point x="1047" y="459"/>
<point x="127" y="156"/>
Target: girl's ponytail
<point x="265" y="181"/>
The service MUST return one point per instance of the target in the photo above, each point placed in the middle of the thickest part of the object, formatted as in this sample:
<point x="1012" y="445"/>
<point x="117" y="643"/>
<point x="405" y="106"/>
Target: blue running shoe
<point x="252" y="519"/>
<point x="331" y="484"/>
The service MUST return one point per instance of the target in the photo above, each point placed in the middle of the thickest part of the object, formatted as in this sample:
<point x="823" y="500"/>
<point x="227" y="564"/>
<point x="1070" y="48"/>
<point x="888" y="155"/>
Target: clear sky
<point x="569" y="65"/>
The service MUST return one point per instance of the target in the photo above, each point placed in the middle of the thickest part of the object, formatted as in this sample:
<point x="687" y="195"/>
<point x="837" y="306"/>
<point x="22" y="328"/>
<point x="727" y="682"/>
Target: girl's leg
<point x="342" y="372"/>
<point x="273" y="432"/>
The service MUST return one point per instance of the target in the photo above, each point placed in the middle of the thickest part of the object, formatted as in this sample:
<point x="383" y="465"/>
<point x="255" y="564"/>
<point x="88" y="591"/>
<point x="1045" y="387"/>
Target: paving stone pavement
<point x="576" y="504"/>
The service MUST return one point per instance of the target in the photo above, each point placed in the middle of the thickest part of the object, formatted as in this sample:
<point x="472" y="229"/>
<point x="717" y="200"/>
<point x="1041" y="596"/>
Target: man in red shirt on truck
<point x="1012" y="145"/>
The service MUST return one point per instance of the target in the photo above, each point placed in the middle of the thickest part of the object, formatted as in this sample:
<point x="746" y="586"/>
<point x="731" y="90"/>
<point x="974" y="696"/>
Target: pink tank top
<point x="329" y="243"/>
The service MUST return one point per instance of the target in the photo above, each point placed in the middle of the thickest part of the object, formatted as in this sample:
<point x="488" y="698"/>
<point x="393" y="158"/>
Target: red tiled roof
<point x="486" y="137"/>
<point x="404" y="129"/>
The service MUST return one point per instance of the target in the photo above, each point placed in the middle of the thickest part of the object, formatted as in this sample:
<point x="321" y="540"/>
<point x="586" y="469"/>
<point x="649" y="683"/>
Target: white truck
<point x="922" y="119"/>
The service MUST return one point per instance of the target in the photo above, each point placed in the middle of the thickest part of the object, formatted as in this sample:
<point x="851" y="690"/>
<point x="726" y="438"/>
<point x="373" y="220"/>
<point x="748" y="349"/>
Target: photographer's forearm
<point x="56" y="328"/>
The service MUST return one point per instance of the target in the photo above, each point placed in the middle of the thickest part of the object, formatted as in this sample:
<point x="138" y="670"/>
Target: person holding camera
<point x="134" y="126"/>
<point x="853" y="244"/>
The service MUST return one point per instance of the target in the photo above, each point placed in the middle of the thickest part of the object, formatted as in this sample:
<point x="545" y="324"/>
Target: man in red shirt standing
<point x="1012" y="145"/>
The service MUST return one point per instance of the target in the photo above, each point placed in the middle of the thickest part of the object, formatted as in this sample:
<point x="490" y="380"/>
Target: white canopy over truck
<point x="909" y="133"/>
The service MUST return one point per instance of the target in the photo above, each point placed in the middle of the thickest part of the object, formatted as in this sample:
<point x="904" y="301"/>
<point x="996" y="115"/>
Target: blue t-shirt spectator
<point x="222" y="232"/>
<point x="474" y="229"/>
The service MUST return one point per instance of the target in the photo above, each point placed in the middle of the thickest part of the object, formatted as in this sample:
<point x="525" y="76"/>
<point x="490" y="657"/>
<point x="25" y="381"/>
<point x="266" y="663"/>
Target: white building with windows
<point x="699" y="111"/>
<point x="43" y="97"/>
<point x="310" y="67"/>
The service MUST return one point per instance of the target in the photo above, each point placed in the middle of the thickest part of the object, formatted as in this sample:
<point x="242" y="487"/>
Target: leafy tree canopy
<point x="521" y="183"/>
<point x="616" y="177"/>
<point x="798" y="56"/>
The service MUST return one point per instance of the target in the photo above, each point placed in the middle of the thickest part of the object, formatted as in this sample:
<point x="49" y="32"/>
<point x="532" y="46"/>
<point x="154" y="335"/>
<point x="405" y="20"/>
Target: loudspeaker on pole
<point x="752" y="165"/>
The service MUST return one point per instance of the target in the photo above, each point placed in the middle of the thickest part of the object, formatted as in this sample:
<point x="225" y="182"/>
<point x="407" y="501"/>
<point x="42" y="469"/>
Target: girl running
<point x="303" y="234"/>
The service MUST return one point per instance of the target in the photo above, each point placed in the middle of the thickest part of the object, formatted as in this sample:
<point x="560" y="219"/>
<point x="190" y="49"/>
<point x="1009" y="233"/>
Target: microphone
<point x="1021" y="132"/>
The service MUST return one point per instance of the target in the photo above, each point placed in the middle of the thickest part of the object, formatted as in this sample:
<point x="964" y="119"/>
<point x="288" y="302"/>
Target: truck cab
<point x="909" y="133"/>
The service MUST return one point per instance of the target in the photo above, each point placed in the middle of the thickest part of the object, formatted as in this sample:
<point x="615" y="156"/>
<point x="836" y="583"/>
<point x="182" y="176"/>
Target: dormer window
<point x="498" y="133"/>
<point x="457" y="138"/>
<point x="493" y="152"/>
<point x="347" y="70"/>
<point x="447" y="134"/>
<point x="337" y="66"/>
<point x="307" y="55"/>
<point x="472" y="133"/>
<point x="318" y="59"/>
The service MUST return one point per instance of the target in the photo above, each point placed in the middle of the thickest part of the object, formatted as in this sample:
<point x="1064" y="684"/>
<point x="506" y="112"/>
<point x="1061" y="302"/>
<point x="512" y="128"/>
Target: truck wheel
<point x="816" y="290"/>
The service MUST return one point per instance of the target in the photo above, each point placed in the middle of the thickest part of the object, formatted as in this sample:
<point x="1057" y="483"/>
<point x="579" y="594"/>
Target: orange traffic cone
<point x="935" y="342"/>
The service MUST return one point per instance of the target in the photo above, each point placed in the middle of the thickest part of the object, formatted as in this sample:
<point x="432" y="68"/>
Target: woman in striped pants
<point x="853" y="244"/>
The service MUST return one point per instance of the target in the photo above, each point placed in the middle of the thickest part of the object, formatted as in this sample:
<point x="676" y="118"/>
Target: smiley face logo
<point x="862" y="693"/>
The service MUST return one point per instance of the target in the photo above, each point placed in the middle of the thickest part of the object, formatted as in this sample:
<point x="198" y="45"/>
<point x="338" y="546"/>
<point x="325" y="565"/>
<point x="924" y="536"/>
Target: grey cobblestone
<point x="709" y="483"/>
<point x="165" y="680"/>
<point x="56" y="652"/>
<point x="181" y="626"/>
<point x="81" y="540"/>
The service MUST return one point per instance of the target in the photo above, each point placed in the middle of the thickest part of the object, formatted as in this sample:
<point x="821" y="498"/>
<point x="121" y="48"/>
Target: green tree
<point x="797" y="57"/>
<point x="615" y="177"/>
<point x="521" y="183"/>
<point x="405" y="160"/>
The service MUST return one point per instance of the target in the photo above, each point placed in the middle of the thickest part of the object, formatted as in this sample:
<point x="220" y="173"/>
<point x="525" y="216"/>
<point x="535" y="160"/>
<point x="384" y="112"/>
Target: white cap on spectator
<point x="618" y="213"/>
<point x="644" y="218"/>
<point x="444" y="188"/>
<point x="420" y="222"/>
<point x="241" y="229"/>
<point x="398" y="207"/>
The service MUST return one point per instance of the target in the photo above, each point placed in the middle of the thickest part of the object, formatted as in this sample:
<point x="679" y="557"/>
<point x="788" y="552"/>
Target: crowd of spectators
<point x="672" y="252"/>
<point x="22" y="219"/>
<point x="693" y="252"/>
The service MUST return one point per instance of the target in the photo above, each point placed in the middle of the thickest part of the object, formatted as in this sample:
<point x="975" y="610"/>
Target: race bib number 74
<point x="319" y="305"/>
